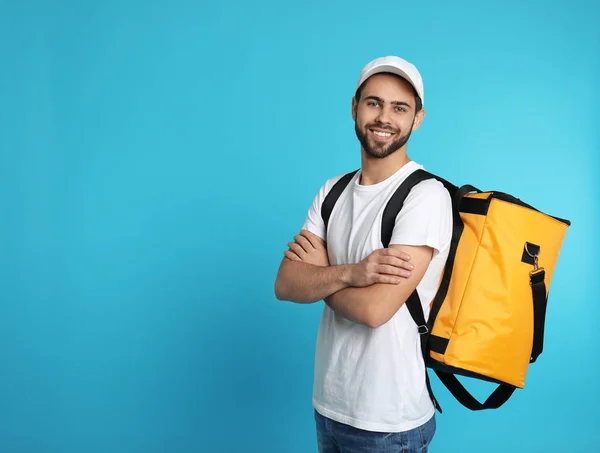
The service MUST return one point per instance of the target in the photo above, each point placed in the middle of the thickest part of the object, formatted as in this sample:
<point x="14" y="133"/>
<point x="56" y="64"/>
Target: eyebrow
<point x="381" y="101"/>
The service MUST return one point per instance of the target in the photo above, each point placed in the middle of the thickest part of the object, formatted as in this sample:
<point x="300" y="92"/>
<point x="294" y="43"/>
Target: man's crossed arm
<point x="369" y="292"/>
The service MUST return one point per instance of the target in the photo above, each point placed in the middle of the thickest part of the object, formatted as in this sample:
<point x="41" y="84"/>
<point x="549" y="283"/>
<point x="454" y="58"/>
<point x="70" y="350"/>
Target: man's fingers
<point x="397" y="253"/>
<point x="314" y="240"/>
<point x="297" y="249"/>
<point x="394" y="261"/>
<point x="381" y="278"/>
<point x="291" y="255"/>
<point x="393" y="270"/>
<point x="304" y="243"/>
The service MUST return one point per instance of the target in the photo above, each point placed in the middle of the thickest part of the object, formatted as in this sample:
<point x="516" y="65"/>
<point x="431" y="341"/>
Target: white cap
<point x="395" y="65"/>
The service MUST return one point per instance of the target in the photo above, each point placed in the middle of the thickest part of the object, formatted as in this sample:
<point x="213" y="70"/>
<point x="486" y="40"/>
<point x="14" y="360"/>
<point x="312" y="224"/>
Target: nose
<point x="384" y="116"/>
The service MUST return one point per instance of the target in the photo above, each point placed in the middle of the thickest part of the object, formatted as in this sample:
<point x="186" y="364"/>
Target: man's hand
<point x="308" y="248"/>
<point x="376" y="304"/>
<point x="382" y="266"/>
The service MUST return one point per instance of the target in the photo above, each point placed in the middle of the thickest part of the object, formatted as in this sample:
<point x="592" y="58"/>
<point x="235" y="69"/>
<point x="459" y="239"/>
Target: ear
<point x="354" y="108"/>
<point x="418" y="119"/>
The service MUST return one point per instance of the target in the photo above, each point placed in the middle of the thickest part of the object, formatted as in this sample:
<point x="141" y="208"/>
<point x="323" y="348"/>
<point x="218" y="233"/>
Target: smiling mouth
<point x="381" y="134"/>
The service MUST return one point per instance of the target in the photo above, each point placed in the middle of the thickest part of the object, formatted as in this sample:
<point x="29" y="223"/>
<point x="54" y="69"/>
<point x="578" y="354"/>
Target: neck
<point x="375" y="170"/>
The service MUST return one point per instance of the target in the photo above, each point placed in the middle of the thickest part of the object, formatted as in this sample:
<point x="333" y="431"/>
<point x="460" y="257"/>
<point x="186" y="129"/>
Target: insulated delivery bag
<point x="487" y="318"/>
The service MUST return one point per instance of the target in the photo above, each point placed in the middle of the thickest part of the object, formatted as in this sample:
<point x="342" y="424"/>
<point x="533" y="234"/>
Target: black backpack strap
<point x="462" y="395"/>
<point x="395" y="203"/>
<point x="540" y="300"/>
<point x="333" y="195"/>
<point x="413" y="303"/>
<point x="457" y="195"/>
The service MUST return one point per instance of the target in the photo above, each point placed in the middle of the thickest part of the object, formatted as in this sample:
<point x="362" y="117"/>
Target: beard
<point x="376" y="149"/>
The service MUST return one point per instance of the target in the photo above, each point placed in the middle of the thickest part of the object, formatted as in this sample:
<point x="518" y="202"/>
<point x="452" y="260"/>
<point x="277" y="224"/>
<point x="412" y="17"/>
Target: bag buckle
<point x="423" y="329"/>
<point x="536" y="268"/>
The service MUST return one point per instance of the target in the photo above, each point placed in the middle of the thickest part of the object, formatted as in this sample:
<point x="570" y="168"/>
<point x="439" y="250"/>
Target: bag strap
<point x="450" y="381"/>
<point x="413" y="303"/>
<point x="540" y="301"/>
<point x="333" y="195"/>
<point x="462" y="395"/>
<point x="396" y="201"/>
<point x="458" y="226"/>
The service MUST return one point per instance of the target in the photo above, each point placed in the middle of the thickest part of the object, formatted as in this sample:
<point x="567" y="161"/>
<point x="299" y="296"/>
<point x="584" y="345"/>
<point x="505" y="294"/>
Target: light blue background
<point x="156" y="157"/>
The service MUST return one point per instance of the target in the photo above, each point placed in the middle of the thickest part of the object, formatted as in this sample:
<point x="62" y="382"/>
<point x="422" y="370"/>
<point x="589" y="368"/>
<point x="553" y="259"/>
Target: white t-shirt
<point x="374" y="379"/>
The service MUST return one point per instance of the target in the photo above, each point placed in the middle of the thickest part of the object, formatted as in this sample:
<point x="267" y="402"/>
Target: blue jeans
<point x="334" y="437"/>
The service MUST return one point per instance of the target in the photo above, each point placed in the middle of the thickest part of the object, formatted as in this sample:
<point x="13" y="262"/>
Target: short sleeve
<point x="314" y="222"/>
<point x="425" y="218"/>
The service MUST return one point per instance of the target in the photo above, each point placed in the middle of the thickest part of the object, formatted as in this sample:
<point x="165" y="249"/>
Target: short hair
<point x="418" y="101"/>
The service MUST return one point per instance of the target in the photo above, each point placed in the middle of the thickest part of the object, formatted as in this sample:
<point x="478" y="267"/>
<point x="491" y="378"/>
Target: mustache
<point x="382" y="126"/>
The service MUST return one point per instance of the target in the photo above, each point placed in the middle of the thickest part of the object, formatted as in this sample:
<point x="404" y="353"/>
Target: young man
<point x="370" y="392"/>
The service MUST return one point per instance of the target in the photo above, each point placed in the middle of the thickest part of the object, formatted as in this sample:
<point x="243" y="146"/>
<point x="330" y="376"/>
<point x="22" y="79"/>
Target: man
<point x="370" y="392"/>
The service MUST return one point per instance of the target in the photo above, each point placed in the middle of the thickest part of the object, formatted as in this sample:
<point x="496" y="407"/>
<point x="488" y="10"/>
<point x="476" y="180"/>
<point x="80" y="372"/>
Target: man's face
<point x="385" y="115"/>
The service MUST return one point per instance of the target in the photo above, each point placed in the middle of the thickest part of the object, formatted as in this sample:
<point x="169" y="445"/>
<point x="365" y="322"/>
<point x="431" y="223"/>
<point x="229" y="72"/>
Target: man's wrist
<point x="346" y="274"/>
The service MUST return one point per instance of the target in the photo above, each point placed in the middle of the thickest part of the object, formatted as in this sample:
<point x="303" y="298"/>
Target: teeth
<point x="382" y="134"/>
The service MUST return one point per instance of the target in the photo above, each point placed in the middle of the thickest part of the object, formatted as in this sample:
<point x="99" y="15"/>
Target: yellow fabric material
<point x="487" y="314"/>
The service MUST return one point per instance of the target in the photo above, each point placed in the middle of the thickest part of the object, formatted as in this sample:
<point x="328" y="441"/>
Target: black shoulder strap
<point x="333" y="195"/>
<point x="394" y="206"/>
<point x="413" y="303"/>
<point x="457" y="230"/>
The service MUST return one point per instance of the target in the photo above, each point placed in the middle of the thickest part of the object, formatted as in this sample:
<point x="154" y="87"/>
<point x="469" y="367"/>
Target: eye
<point x="400" y="109"/>
<point x="372" y="103"/>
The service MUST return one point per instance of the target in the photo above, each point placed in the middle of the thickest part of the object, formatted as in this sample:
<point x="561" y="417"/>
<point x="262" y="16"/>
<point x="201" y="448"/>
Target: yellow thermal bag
<point x="487" y="318"/>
